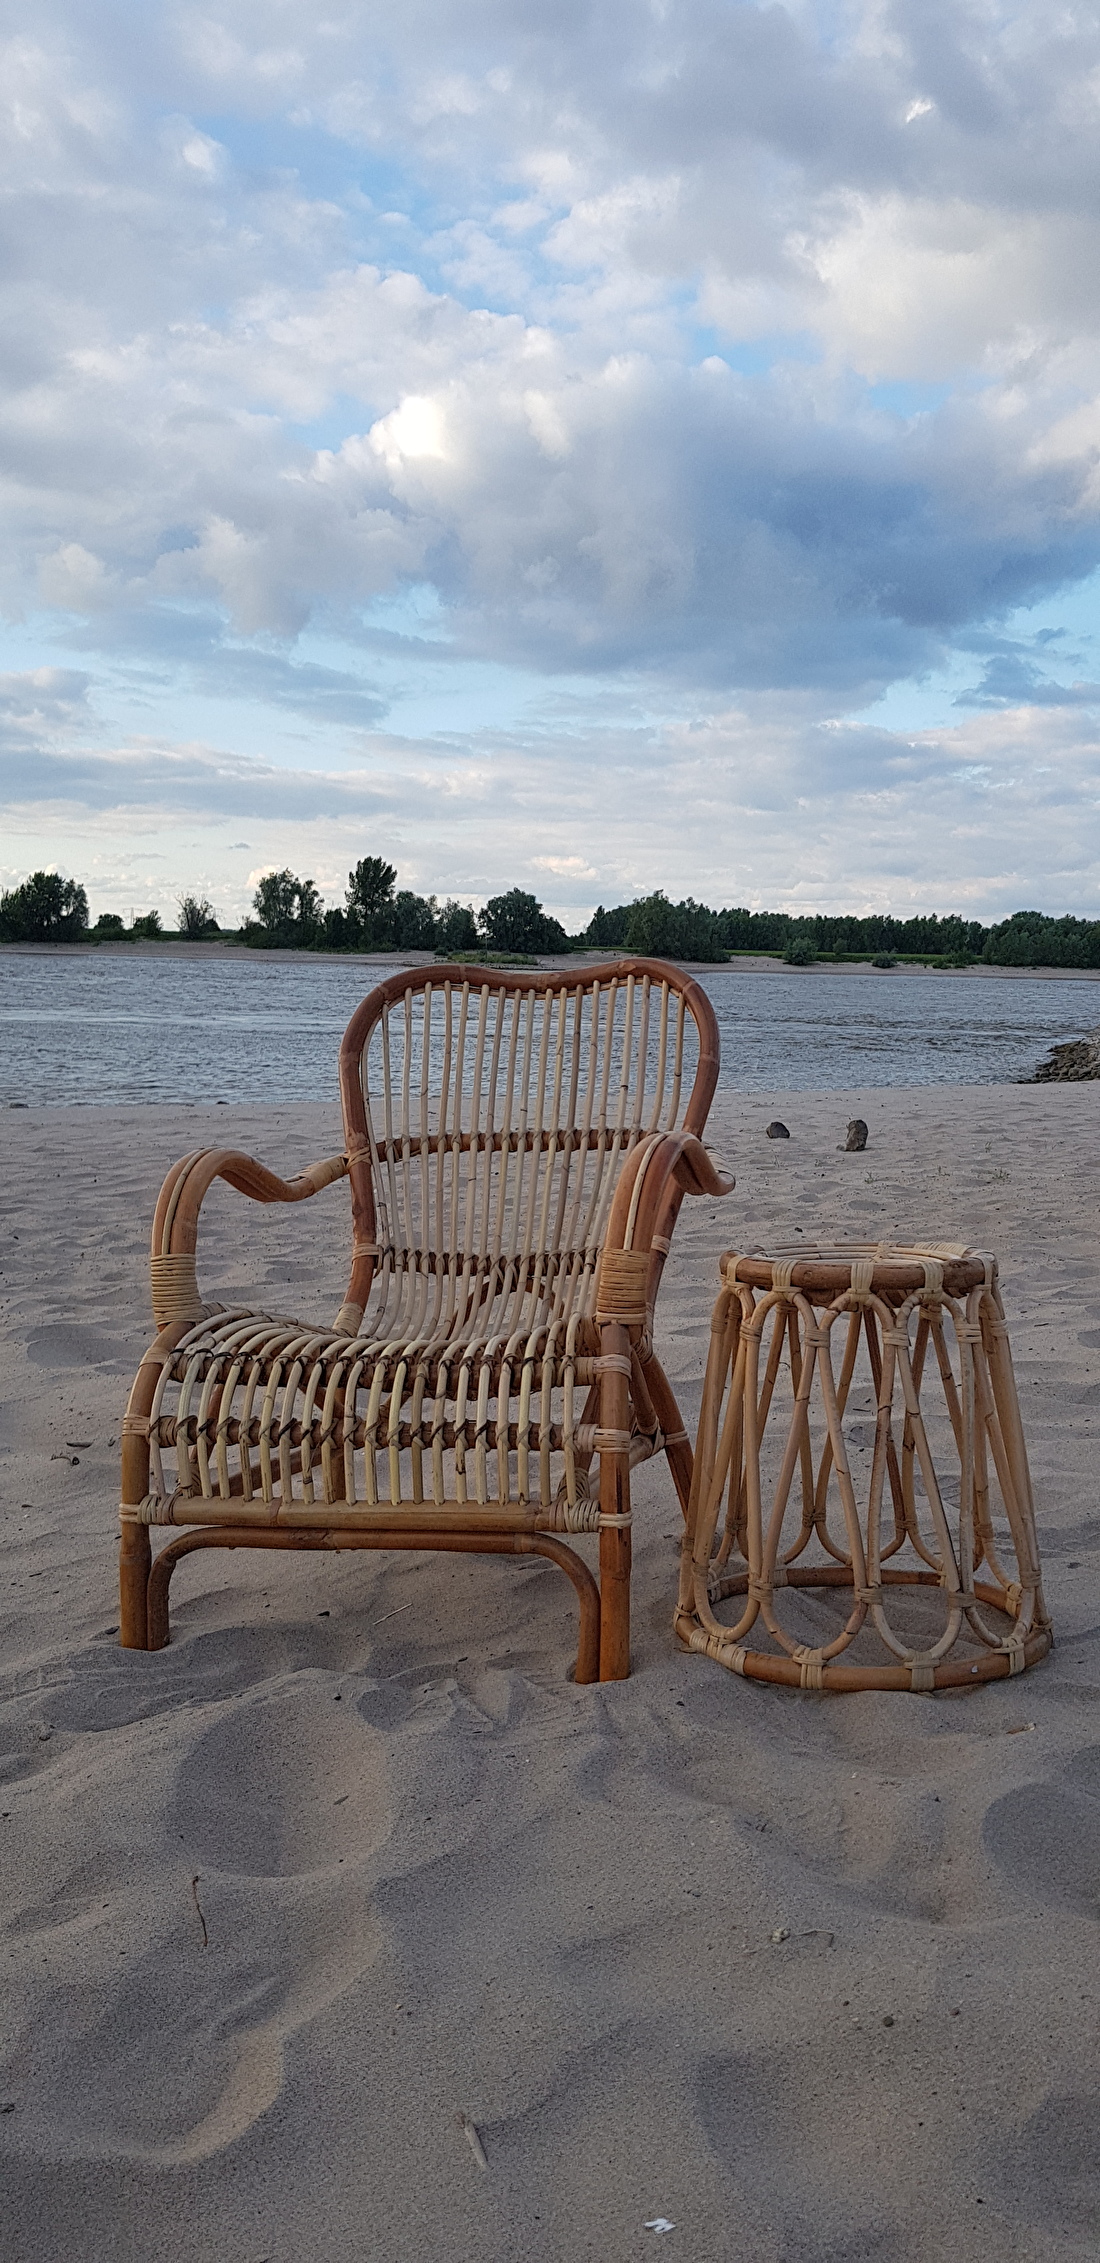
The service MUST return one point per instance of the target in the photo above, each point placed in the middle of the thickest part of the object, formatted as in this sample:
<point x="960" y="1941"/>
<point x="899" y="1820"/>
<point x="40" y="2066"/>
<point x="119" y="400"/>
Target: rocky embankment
<point x="1076" y="1063"/>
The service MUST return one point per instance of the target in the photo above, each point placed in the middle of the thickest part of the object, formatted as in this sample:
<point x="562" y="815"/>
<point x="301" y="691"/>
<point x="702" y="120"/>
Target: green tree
<point x="1032" y="938"/>
<point x="517" y="923"/>
<point x="455" y="930"/>
<point x="44" y="909"/>
<point x="147" y="927"/>
<point x="413" y="921"/>
<point x="607" y="929"/>
<point x="660" y="930"/>
<point x="289" y="910"/>
<point x="369" y="901"/>
<point x="110" y="927"/>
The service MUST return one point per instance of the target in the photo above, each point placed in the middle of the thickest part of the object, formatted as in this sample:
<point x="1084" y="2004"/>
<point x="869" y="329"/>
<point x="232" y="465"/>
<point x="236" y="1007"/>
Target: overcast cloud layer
<point x="601" y="448"/>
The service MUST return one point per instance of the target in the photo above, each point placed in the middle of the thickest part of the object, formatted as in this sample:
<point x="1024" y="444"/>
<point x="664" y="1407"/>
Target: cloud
<point x="1011" y="679"/>
<point x="759" y="803"/>
<point x="37" y="703"/>
<point x="733" y="360"/>
<point x="326" y="695"/>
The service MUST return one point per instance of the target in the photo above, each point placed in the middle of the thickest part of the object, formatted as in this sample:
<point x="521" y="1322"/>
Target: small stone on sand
<point x="776" y="1130"/>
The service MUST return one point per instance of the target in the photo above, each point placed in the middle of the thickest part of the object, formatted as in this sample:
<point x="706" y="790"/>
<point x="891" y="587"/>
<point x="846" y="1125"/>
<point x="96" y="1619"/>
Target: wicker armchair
<point x="517" y="1156"/>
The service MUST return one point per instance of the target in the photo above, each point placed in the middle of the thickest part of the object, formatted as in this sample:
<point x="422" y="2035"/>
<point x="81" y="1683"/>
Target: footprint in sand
<point x="1051" y="2172"/>
<point x="109" y="1688"/>
<point x="66" y="1343"/>
<point x="1046" y="1837"/>
<point x="247" y="1914"/>
<point x="288" y="1783"/>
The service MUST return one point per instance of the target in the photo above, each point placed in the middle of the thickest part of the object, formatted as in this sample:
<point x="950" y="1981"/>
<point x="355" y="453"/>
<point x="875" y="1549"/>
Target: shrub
<point x="44" y="909"/>
<point x="148" y="927"/>
<point x="110" y="927"/>
<point x="800" y="951"/>
<point x="885" y="960"/>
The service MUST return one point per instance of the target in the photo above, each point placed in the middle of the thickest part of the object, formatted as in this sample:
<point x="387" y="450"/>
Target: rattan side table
<point x="861" y="1422"/>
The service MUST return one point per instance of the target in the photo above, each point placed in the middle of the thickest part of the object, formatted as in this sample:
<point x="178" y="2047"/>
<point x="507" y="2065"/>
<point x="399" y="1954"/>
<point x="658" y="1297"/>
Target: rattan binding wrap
<point x="621" y="1288"/>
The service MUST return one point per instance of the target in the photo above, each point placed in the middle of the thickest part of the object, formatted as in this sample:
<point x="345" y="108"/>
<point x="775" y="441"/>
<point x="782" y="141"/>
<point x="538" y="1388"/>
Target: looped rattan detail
<point x="860" y="1446"/>
<point x="517" y="1147"/>
<point x="614" y="1363"/>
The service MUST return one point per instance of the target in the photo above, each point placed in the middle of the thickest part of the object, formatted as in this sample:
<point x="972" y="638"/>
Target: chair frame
<point x="630" y="1411"/>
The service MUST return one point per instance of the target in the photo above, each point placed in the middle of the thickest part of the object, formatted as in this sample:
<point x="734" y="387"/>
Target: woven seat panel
<point x="254" y="1408"/>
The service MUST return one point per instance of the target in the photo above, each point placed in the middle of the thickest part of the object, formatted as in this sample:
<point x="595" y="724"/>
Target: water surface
<point x="107" y="1028"/>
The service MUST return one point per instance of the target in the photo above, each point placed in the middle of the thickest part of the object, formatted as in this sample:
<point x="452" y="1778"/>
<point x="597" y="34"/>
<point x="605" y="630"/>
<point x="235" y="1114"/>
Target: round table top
<point x="824" y="1270"/>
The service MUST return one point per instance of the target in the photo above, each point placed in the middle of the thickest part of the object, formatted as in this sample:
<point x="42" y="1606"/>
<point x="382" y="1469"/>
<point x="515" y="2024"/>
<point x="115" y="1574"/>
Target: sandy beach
<point x="284" y="1902"/>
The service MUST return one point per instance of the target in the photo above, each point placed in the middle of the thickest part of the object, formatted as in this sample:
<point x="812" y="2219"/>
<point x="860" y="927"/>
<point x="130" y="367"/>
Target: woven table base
<point x="894" y="1362"/>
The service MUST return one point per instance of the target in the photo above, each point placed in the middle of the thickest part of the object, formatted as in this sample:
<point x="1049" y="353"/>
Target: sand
<point x="435" y="1879"/>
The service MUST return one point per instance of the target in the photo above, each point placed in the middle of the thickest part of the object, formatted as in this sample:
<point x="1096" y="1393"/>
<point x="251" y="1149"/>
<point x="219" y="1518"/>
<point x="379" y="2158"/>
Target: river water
<point x="107" y="1028"/>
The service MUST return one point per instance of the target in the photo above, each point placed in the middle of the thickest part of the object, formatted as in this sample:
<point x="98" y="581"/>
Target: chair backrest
<point x="488" y="1113"/>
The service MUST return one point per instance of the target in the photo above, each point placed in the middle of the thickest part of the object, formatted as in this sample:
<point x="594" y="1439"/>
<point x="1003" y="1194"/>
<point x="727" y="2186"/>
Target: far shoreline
<point x="164" y="948"/>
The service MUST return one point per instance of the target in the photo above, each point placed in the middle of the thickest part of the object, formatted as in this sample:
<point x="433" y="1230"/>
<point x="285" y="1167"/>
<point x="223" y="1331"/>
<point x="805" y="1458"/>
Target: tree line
<point x="48" y="909"/>
<point x="376" y="915"/>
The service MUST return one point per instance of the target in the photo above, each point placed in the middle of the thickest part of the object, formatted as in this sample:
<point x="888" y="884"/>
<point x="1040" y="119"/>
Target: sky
<point x="645" y="443"/>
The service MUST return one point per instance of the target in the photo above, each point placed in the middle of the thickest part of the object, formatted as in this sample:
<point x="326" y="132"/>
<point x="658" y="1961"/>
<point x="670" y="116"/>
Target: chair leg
<point x="587" y="1668"/>
<point x="615" y="1549"/>
<point x="135" y="1553"/>
<point x="677" y="1442"/>
<point x="615" y="1592"/>
<point x="135" y="1557"/>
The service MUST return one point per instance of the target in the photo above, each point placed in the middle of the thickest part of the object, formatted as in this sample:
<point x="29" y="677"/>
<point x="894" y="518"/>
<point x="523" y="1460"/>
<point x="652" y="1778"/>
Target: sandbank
<point x="434" y="1878"/>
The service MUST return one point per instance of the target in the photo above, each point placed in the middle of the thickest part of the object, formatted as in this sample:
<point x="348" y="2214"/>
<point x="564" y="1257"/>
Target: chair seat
<point x="260" y="1417"/>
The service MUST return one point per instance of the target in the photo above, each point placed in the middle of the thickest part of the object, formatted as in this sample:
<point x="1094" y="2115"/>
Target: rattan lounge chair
<point x="517" y="1154"/>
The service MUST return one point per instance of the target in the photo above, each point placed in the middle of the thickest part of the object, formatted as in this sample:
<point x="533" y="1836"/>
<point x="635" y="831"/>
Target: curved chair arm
<point x="647" y="1201"/>
<point x="172" y="1263"/>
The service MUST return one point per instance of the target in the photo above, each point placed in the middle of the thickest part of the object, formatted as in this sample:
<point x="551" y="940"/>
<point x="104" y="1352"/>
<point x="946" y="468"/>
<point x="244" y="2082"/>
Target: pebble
<point x="776" y="1130"/>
